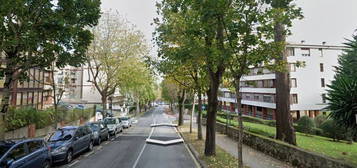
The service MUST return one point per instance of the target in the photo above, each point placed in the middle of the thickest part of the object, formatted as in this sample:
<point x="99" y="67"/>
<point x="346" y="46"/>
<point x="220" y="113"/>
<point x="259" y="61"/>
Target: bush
<point x="319" y="120"/>
<point x="17" y="118"/>
<point x="305" y="125"/>
<point x="332" y="130"/>
<point x="318" y="131"/>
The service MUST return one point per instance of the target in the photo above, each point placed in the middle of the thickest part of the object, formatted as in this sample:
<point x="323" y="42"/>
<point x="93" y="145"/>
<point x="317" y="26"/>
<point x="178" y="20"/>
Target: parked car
<point x="29" y="153"/>
<point x="69" y="141"/>
<point x="114" y="125"/>
<point x="100" y="131"/>
<point x="126" y="121"/>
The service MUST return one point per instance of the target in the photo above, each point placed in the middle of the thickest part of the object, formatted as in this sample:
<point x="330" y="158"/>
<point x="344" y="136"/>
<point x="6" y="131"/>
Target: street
<point x="129" y="149"/>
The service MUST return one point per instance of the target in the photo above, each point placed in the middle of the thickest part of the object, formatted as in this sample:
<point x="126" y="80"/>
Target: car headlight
<point x="60" y="149"/>
<point x="95" y="134"/>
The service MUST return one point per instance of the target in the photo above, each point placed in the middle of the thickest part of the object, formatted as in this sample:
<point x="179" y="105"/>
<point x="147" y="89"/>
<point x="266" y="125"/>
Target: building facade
<point x="70" y="80"/>
<point x="308" y="83"/>
<point x="32" y="92"/>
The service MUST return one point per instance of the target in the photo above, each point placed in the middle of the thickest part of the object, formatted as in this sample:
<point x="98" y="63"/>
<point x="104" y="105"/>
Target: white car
<point x="126" y="121"/>
<point x="114" y="125"/>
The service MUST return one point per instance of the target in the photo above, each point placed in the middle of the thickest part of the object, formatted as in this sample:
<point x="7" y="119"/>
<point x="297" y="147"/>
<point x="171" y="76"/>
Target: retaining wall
<point x="288" y="153"/>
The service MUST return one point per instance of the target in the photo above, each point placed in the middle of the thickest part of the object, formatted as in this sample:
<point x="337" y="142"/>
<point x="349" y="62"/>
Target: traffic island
<point x="222" y="158"/>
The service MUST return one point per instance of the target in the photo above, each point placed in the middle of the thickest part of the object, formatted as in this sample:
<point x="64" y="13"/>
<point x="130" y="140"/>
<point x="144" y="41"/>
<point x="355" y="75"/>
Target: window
<point x="268" y="99"/>
<point x="73" y="80"/>
<point x="321" y="52"/>
<point x="259" y="109"/>
<point x="293" y="82"/>
<point x="321" y="67"/>
<point x="34" y="146"/>
<point x="292" y="67"/>
<point x="256" y="98"/>
<point x="294" y="99"/>
<point x="290" y="51"/>
<point x="18" y="152"/>
<point x="323" y="98"/>
<point x="305" y="52"/>
<point x="322" y="82"/>
<point x="18" y="99"/>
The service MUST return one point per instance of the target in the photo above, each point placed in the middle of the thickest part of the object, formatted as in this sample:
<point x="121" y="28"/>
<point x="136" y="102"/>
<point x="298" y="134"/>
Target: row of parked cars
<point x="61" y="145"/>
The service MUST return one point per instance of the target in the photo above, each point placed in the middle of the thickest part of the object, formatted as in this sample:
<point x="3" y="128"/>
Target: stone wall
<point x="31" y="132"/>
<point x="288" y="153"/>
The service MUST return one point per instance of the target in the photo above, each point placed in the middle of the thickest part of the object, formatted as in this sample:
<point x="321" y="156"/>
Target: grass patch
<point x="222" y="158"/>
<point x="323" y="145"/>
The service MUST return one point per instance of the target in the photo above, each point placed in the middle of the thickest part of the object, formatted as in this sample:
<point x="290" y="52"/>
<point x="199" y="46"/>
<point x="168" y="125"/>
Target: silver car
<point x="126" y="122"/>
<point x="114" y="125"/>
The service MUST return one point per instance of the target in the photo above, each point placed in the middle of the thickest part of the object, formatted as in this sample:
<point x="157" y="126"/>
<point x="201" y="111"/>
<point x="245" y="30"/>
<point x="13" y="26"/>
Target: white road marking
<point x="142" y="150"/>
<point x="86" y="155"/>
<point x="73" y="163"/>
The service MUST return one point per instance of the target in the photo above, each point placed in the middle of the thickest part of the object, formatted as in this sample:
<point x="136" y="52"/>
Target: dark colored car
<point x="69" y="141"/>
<point x="100" y="132"/>
<point x="29" y="153"/>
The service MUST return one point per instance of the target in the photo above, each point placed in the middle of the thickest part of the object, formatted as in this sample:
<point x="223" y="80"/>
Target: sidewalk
<point x="251" y="157"/>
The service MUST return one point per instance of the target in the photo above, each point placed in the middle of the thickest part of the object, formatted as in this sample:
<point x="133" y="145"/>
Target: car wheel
<point x="46" y="164"/>
<point x="99" y="141"/>
<point x="90" y="146"/>
<point x="69" y="156"/>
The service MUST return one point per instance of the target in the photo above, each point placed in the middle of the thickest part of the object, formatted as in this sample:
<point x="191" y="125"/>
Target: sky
<point x="330" y="21"/>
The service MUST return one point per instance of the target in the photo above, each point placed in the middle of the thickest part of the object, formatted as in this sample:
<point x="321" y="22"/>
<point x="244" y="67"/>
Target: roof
<point x="331" y="47"/>
<point x="70" y="127"/>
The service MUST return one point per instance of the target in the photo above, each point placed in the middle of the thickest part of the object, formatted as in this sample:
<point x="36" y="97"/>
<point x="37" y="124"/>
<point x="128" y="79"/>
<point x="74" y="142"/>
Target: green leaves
<point x="37" y="33"/>
<point x="342" y="93"/>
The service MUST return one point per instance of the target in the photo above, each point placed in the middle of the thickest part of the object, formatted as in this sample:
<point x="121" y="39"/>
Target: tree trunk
<point x="192" y="113"/>
<point x="104" y="104"/>
<point x="199" y="115"/>
<point x="137" y="108"/>
<point x="212" y="93"/>
<point x="284" y="128"/>
<point x="180" y="106"/>
<point x="5" y="102"/>
<point x="240" y="121"/>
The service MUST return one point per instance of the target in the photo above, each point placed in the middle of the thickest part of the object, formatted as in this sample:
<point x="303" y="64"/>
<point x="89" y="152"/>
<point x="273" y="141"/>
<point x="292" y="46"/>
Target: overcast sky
<point x="325" y="20"/>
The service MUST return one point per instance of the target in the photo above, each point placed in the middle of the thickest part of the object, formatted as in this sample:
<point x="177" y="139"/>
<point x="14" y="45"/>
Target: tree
<point x="248" y="39"/>
<point x="38" y="33"/>
<point x="342" y="93"/>
<point x="306" y="125"/>
<point x="283" y="12"/>
<point x="169" y="91"/>
<point x="137" y="82"/>
<point x="114" y="44"/>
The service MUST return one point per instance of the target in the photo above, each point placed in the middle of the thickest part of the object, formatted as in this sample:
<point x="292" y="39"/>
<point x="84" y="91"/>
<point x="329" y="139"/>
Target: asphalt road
<point x="130" y="150"/>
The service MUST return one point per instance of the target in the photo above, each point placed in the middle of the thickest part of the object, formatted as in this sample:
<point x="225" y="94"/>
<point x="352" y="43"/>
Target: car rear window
<point x="60" y="134"/>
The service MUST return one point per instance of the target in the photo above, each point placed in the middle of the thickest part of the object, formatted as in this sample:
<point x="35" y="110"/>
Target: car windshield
<point x="60" y="134"/>
<point x="94" y="127"/>
<point x="4" y="149"/>
<point x="109" y="121"/>
<point x="124" y="118"/>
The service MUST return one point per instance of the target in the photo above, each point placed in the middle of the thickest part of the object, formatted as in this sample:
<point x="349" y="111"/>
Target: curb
<point x="194" y="152"/>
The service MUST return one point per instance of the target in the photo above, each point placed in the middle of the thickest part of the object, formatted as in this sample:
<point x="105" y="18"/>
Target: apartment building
<point x="70" y="80"/>
<point x="32" y="92"/>
<point x="308" y="83"/>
